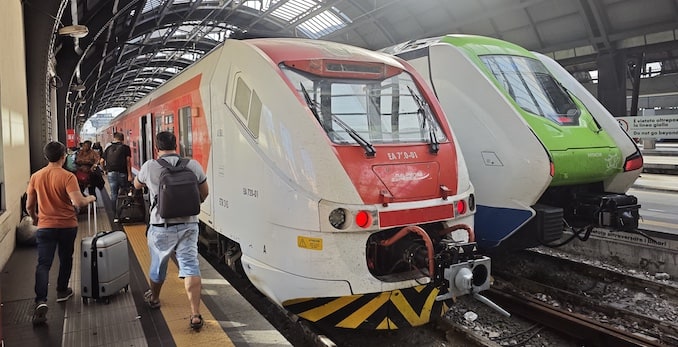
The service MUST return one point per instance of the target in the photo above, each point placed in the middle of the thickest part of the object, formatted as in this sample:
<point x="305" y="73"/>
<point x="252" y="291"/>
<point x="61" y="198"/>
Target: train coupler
<point x="461" y="270"/>
<point x="609" y="210"/>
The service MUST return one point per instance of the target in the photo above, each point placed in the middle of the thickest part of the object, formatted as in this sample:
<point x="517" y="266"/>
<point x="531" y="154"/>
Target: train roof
<point x="280" y="50"/>
<point x="478" y="45"/>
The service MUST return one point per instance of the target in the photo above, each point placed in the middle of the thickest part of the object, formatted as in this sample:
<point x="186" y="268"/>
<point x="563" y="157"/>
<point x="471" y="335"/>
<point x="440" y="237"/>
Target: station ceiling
<point x="133" y="46"/>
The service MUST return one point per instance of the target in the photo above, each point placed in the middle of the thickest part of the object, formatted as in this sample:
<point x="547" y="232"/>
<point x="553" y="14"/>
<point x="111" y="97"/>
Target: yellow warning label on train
<point x="312" y="243"/>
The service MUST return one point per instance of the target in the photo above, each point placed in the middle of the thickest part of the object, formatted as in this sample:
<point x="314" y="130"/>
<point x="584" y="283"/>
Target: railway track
<point x="601" y="297"/>
<point x="579" y="327"/>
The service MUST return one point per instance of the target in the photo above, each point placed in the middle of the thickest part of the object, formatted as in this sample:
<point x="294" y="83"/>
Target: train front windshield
<point x="389" y="110"/>
<point x="533" y="88"/>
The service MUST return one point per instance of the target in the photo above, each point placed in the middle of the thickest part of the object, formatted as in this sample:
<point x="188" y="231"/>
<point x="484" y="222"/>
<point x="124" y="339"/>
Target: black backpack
<point x="115" y="157"/>
<point x="178" y="194"/>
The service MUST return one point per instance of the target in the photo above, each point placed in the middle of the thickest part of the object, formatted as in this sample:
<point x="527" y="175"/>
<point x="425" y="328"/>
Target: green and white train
<point x="542" y="152"/>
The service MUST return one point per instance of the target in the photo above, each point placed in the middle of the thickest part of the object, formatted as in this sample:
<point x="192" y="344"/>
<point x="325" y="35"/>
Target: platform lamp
<point x="76" y="31"/>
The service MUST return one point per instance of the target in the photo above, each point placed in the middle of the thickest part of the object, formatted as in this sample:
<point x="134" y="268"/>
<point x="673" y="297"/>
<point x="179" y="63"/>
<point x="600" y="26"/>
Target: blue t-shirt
<point x="149" y="174"/>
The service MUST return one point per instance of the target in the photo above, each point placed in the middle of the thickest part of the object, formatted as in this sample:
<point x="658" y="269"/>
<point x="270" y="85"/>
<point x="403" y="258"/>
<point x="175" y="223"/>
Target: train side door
<point x="145" y="138"/>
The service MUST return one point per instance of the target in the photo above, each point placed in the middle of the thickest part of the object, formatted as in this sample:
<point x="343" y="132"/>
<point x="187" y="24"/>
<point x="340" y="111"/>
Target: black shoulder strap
<point x="181" y="163"/>
<point x="164" y="163"/>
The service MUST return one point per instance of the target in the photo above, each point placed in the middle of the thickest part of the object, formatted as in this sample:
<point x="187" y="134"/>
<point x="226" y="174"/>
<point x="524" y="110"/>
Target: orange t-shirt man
<point x="55" y="208"/>
<point x="51" y="194"/>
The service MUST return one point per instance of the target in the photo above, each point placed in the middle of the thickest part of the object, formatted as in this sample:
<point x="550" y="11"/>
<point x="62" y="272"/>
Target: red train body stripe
<point x="415" y="216"/>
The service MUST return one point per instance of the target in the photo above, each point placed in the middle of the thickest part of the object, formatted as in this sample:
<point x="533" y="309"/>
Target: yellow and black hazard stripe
<point x="391" y="310"/>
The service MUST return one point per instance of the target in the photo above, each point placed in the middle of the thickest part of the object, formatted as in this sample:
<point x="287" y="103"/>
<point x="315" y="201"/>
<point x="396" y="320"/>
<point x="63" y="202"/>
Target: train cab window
<point x="243" y="93"/>
<point x="532" y="87"/>
<point x="185" y="132"/>
<point x="248" y="106"/>
<point x="385" y="110"/>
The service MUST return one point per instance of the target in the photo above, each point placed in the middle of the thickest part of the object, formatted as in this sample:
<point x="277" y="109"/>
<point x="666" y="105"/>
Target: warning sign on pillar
<point x="658" y="127"/>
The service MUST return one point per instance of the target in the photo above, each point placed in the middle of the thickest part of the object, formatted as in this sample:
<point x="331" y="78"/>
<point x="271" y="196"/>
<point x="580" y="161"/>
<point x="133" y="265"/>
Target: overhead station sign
<point x="659" y="127"/>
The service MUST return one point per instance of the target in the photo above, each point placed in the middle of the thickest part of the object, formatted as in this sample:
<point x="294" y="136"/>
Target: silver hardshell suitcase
<point x="104" y="264"/>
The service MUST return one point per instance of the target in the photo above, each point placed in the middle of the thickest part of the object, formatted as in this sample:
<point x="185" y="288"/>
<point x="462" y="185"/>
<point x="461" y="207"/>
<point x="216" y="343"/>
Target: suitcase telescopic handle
<point x="91" y="210"/>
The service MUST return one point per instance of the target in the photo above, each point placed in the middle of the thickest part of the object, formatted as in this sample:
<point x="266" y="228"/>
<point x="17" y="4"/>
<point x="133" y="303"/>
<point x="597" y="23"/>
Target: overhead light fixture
<point x="77" y="31"/>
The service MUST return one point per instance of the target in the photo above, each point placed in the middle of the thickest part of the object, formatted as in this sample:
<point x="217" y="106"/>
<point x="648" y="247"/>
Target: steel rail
<point x="583" y="328"/>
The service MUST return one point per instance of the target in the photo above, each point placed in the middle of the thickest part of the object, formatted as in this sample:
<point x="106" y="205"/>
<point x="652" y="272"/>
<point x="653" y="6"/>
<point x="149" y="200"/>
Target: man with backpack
<point x="117" y="161"/>
<point x="173" y="226"/>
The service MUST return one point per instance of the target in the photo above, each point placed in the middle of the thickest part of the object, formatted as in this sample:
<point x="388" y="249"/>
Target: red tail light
<point x="363" y="219"/>
<point x="552" y="169"/>
<point x="633" y="162"/>
<point x="461" y="207"/>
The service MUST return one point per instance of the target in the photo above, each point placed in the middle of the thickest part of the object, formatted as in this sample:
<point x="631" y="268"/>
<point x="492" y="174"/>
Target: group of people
<point x="57" y="192"/>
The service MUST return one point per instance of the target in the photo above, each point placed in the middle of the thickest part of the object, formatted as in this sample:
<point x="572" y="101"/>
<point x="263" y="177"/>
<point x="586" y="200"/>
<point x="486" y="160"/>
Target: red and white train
<point x="333" y="179"/>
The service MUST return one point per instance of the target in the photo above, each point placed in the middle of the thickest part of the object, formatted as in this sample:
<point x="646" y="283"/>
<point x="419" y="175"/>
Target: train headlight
<point x="337" y="218"/>
<point x="347" y="218"/>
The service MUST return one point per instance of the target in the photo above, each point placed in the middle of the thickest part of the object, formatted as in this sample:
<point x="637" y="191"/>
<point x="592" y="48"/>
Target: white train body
<point x="531" y="171"/>
<point x="315" y="213"/>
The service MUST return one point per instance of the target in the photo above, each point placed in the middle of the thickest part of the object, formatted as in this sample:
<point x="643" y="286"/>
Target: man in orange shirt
<point x="52" y="195"/>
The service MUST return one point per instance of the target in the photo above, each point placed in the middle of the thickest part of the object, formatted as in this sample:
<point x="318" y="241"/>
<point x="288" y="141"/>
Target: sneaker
<point x="40" y="313"/>
<point x="64" y="295"/>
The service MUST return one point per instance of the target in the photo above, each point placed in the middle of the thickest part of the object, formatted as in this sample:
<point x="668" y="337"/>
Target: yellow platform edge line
<point x="174" y="303"/>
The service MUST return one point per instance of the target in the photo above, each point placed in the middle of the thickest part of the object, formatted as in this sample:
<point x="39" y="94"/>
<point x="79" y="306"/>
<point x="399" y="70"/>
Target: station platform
<point x="126" y="320"/>
<point x="662" y="159"/>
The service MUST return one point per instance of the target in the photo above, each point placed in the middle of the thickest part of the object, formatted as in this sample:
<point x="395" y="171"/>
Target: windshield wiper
<point x="433" y="138"/>
<point x="369" y="149"/>
<point x="311" y="104"/>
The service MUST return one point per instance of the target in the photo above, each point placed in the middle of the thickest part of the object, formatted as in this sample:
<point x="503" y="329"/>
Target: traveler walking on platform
<point x="117" y="161"/>
<point x="86" y="161"/>
<point x="55" y="190"/>
<point x="177" y="234"/>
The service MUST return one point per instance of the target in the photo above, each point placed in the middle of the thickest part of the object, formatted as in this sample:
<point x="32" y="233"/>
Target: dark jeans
<point x="117" y="181"/>
<point x="48" y="240"/>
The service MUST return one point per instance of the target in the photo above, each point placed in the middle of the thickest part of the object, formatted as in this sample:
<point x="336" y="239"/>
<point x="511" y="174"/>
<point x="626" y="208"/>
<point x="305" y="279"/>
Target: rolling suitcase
<point x="105" y="263"/>
<point x="130" y="206"/>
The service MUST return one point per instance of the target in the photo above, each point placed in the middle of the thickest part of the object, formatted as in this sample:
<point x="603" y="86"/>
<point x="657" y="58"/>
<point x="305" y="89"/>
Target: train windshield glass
<point x="390" y="110"/>
<point x="533" y="88"/>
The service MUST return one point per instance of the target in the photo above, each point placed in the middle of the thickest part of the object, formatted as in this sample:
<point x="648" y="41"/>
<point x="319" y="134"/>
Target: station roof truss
<point x="133" y="46"/>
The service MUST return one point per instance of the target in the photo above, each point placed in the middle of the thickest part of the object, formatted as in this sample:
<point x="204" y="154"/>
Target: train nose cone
<point x="410" y="181"/>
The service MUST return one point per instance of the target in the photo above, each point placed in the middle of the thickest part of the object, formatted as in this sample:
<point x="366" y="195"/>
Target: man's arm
<point x="31" y="203"/>
<point x="204" y="190"/>
<point x="102" y="160"/>
<point x="137" y="184"/>
<point x="129" y="169"/>
<point x="80" y="200"/>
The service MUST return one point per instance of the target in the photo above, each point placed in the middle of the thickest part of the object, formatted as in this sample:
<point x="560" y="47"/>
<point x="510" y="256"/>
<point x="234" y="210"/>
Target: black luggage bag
<point x="130" y="206"/>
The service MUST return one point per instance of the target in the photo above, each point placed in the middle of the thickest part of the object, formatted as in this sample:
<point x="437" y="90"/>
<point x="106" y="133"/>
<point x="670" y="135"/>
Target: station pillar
<point x="612" y="82"/>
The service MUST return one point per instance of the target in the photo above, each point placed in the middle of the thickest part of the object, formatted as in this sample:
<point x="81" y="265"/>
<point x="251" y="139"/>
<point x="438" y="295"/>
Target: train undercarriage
<point x="577" y="209"/>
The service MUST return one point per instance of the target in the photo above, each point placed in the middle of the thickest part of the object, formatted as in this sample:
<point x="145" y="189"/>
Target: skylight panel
<point x="293" y="8"/>
<point x="321" y="25"/>
<point x="151" y="5"/>
<point x="261" y="5"/>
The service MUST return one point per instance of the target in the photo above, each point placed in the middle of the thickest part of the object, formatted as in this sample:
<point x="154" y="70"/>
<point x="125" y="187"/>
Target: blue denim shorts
<point x="181" y="239"/>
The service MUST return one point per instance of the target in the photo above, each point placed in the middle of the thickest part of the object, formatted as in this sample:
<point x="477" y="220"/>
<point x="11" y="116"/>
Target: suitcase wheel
<point x="84" y="300"/>
<point x="127" y="288"/>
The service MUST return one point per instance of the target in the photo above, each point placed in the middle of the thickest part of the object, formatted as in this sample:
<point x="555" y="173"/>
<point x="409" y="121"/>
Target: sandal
<point x="148" y="299"/>
<point x="196" y="326"/>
